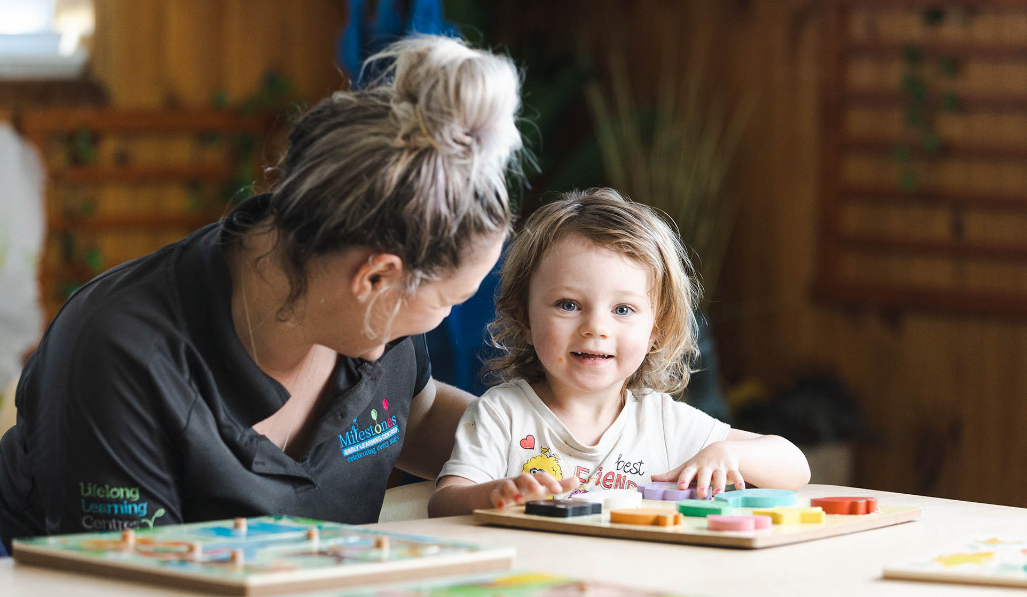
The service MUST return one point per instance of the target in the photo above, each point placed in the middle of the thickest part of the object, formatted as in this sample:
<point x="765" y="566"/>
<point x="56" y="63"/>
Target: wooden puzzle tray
<point x="693" y="531"/>
<point x="261" y="555"/>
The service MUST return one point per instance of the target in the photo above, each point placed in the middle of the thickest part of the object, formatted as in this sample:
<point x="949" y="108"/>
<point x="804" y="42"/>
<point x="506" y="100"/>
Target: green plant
<point x="918" y="81"/>
<point x="677" y="155"/>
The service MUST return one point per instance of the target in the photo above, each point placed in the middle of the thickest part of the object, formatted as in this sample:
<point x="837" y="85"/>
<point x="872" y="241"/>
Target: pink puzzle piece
<point x="715" y="522"/>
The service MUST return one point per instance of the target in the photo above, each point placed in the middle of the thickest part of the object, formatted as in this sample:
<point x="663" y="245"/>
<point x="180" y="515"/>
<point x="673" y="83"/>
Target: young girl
<point x="595" y="317"/>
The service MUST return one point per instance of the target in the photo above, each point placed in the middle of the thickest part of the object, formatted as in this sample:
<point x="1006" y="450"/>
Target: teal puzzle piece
<point x="757" y="498"/>
<point x="702" y="508"/>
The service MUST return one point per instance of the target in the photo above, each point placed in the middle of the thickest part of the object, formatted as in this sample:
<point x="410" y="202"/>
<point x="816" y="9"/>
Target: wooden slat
<point x="936" y="50"/>
<point x="140" y="174"/>
<point x="862" y="293"/>
<point x="955" y="249"/>
<point x="966" y="102"/>
<point x="138" y="121"/>
<point x="936" y="197"/>
<point x="108" y="223"/>
<point x="949" y="149"/>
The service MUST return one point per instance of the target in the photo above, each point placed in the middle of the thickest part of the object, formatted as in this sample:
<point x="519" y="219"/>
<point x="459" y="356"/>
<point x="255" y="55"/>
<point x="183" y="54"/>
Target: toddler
<point x="595" y="319"/>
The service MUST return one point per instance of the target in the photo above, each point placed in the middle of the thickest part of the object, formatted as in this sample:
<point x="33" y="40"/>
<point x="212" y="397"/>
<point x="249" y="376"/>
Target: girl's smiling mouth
<point x="592" y="356"/>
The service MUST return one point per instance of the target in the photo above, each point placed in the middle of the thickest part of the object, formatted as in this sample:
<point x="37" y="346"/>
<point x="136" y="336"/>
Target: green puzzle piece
<point x="702" y="508"/>
<point x="757" y="498"/>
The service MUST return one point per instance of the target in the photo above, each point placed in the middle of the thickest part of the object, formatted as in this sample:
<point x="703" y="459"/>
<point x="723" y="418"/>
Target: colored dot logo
<point x="385" y="403"/>
<point x="374" y="415"/>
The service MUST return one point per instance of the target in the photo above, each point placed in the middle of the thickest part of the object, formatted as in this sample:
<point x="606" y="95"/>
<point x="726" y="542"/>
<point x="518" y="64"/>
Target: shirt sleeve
<point x="423" y="361"/>
<point x="480" y="453"/>
<point x="120" y="432"/>
<point x="688" y="430"/>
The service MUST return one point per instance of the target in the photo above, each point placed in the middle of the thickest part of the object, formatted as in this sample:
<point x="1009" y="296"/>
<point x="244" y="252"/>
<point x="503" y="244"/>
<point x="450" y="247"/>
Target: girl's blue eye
<point x="566" y="306"/>
<point x="623" y="310"/>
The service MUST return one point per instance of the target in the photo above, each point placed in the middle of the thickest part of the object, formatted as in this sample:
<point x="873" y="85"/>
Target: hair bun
<point x="457" y="100"/>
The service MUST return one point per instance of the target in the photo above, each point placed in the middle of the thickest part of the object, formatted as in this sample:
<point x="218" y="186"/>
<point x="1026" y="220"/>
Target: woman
<point x="275" y="363"/>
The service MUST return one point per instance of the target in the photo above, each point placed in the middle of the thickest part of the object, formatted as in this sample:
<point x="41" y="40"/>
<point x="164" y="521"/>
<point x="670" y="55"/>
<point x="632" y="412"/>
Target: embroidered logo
<point x="357" y="443"/>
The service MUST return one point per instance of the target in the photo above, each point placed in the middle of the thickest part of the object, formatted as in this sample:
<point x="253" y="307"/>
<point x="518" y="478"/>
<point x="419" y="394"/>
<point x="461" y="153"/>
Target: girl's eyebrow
<point x="621" y="292"/>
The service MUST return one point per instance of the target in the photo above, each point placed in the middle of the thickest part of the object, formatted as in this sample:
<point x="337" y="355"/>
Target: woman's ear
<point x="380" y="271"/>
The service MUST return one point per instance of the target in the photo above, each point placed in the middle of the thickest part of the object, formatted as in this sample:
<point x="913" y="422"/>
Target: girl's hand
<point x="529" y="486"/>
<point x="712" y="468"/>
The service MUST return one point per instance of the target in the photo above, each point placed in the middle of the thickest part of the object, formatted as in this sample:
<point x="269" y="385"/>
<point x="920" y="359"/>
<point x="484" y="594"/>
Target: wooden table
<point x="847" y="565"/>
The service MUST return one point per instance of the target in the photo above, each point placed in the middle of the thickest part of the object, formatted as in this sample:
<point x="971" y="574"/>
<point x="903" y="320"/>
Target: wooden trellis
<point x="923" y="189"/>
<point x="123" y="183"/>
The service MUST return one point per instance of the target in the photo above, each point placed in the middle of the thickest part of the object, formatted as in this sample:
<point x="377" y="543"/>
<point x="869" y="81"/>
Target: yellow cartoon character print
<point x="546" y="462"/>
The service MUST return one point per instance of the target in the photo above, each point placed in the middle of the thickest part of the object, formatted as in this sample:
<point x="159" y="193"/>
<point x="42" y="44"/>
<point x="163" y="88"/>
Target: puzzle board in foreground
<point x="977" y="561"/>
<point x="694" y="532"/>
<point x="262" y="555"/>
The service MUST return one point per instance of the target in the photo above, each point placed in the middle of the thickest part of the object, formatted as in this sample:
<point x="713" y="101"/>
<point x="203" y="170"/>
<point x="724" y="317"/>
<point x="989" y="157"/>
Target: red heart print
<point x="528" y="443"/>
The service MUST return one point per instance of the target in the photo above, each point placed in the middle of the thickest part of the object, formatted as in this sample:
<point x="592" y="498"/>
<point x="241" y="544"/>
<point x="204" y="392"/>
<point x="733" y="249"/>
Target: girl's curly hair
<point x="616" y="223"/>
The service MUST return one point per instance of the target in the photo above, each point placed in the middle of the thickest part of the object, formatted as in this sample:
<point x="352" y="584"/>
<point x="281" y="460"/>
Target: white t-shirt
<point x="510" y="431"/>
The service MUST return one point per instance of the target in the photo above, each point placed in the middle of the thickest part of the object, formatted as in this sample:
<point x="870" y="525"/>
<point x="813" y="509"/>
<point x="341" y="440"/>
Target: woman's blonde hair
<point x="413" y="165"/>
<point x="618" y="224"/>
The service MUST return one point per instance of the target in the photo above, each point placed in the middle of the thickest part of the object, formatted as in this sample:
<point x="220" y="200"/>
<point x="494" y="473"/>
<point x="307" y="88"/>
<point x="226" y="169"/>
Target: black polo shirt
<point x="137" y="410"/>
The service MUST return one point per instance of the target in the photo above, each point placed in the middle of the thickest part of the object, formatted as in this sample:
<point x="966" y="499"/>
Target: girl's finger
<point x="496" y="498"/>
<point x="686" y="476"/>
<point x="735" y="478"/>
<point x="719" y="482"/>
<point x="568" y="484"/>
<point x="702" y="482"/>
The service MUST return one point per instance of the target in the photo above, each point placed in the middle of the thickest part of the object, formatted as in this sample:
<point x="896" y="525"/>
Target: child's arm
<point x="456" y="495"/>
<point x="763" y="460"/>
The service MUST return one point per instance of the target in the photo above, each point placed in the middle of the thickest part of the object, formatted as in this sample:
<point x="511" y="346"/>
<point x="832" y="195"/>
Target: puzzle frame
<point x="694" y="532"/>
<point x="218" y="557"/>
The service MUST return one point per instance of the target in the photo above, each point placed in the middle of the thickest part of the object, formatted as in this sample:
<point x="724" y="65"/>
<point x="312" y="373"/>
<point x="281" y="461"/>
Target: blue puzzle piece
<point x="758" y="498"/>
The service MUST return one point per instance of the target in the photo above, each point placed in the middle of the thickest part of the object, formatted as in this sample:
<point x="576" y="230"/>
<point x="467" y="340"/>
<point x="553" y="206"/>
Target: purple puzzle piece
<point x="666" y="491"/>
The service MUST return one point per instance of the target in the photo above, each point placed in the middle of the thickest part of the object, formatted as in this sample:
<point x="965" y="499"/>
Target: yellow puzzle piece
<point x="791" y="514"/>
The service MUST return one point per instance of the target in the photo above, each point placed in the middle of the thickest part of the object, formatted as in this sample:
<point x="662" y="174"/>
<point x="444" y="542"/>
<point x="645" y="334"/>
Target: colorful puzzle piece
<point x="846" y="505"/>
<point x="562" y="508"/>
<point x="612" y="498"/>
<point x="791" y="515"/>
<point x="647" y="516"/>
<point x="715" y="522"/>
<point x="701" y="508"/>
<point x="758" y="498"/>
<point x="666" y="491"/>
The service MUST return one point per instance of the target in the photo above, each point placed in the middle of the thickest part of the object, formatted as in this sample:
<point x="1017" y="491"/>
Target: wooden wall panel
<point x="180" y="53"/>
<point x="947" y="392"/>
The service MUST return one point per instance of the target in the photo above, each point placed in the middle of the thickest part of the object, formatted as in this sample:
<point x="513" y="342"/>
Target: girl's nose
<point x="594" y="326"/>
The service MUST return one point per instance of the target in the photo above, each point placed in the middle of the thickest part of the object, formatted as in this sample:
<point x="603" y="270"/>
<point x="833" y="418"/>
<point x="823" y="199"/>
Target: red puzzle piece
<point x="846" y="505"/>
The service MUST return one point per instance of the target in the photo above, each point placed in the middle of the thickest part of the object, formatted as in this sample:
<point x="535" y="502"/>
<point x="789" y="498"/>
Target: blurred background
<point x="850" y="176"/>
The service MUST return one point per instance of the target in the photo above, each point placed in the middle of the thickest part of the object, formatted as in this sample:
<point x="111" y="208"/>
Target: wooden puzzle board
<point x="978" y="561"/>
<point x="276" y="552"/>
<point x="694" y="532"/>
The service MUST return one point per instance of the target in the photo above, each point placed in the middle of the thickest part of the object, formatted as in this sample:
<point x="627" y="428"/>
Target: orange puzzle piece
<point x="846" y="505"/>
<point x="647" y="516"/>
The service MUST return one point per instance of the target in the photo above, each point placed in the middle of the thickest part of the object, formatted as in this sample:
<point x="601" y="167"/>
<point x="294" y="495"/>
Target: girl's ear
<point x="380" y="271"/>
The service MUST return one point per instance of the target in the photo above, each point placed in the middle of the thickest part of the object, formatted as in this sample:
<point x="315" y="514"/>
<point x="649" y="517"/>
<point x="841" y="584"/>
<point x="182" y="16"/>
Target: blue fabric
<point x="367" y="34"/>
<point x="458" y="347"/>
<point x="3" y="552"/>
